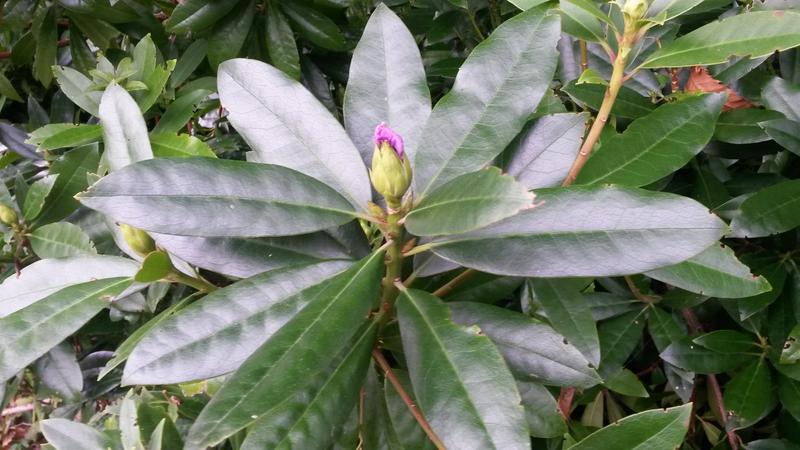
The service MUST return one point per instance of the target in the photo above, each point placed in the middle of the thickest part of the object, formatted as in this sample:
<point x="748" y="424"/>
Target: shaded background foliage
<point x="656" y="339"/>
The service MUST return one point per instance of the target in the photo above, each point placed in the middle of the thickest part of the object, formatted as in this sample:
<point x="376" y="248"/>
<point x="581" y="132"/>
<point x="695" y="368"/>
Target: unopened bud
<point x="635" y="9"/>
<point x="391" y="169"/>
<point x="139" y="241"/>
<point x="7" y="215"/>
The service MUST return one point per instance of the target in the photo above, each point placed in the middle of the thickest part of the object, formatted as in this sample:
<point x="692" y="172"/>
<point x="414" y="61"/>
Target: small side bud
<point x="635" y="9"/>
<point x="391" y="169"/>
<point x="7" y="215"/>
<point x="139" y="241"/>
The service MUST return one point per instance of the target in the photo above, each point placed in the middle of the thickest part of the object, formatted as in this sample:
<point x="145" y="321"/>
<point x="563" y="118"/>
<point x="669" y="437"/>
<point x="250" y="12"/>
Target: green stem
<point x="197" y="283"/>
<point x="614" y="85"/>
<point x="394" y="263"/>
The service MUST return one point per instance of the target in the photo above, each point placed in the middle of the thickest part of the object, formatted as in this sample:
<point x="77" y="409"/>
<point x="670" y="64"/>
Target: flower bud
<point x="139" y="241"/>
<point x="7" y="215"/>
<point x="635" y="9"/>
<point x="391" y="170"/>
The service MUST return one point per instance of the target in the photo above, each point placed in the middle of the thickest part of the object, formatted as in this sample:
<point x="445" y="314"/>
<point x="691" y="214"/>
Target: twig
<point x="636" y="292"/>
<point x="452" y="284"/>
<point x="565" y="401"/>
<point x="17" y="410"/>
<point x="387" y="370"/>
<point x="696" y="327"/>
<point x="584" y="55"/>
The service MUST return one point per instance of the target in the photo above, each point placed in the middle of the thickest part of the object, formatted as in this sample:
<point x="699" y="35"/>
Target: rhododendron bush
<point x="480" y="224"/>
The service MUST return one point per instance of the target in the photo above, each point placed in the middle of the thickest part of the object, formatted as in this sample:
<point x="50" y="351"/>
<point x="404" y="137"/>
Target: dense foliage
<point x="250" y="224"/>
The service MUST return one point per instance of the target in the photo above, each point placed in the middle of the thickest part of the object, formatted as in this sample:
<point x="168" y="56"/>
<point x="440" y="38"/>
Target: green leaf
<point x="580" y="22"/>
<point x="155" y="266"/>
<point x="753" y="34"/>
<point x="7" y="89"/>
<point x="629" y="104"/>
<point x="188" y="62"/>
<point x="664" y="328"/>
<point x="785" y="132"/>
<point x="59" y="372"/>
<point x="36" y="196"/>
<point x="497" y="88"/>
<point x="285" y="125"/>
<point x="317" y="413"/>
<point x="399" y="421"/>
<point x="61" y="135"/>
<point x="292" y="358"/>
<point x="588" y="231"/>
<point x="657" y="429"/>
<point x="656" y="145"/>
<point x="149" y="73"/>
<point x="526" y="4"/>
<point x="76" y="86"/>
<point x="128" y="424"/>
<point x="453" y="365"/>
<point x="46" y="33"/>
<point x="246" y="257"/>
<point x="47" y="276"/>
<point x="468" y="202"/>
<point x="783" y="96"/>
<point x="255" y="196"/>
<point x="65" y="434"/>
<point x="618" y="339"/>
<point x="665" y="10"/>
<point x="568" y="312"/>
<point x="180" y="112"/>
<point x="741" y="126"/>
<point x="281" y="45"/>
<point x="727" y="341"/>
<point x="750" y="396"/>
<point x="716" y="273"/>
<point x="531" y="349"/>
<point x="195" y="344"/>
<point x="229" y="34"/>
<point x="541" y="411"/>
<point x="124" y="131"/>
<point x="545" y="151"/>
<point x="626" y="382"/>
<point x="197" y="15"/>
<point x="772" y="210"/>
<point x="72" y="169"/>
<point x="314" y="26"/>
<point x="166" y="145"/>
<point x="687" y="355"/>
<point x="790" y="352"/>
<point x="386" y="84"/>
<point x="60" y="240"/>
<point x="32" y="331"/>
<point x="789" y="395"/>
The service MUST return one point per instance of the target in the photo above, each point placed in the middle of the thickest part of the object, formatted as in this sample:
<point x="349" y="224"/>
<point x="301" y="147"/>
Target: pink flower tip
<point x="386" y="134"/>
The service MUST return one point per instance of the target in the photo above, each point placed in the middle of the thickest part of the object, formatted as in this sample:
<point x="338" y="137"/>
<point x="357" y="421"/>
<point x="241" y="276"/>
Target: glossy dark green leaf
<point x="618" y="339"/>
<point x="124" y="131"/>
<point x="36" y="196"/>
<point x="581" y="23"/>
<point x="65" y="434"/>
<point x="313" y="418"/>
<point x="751" y="34"/>
<point x="188" y="62"/>
<point x="658" y="429"/>
<point x="180" y="350"/>
<point x="664" y="328"/>
<point x="60" y="135"/>
<point x="468" y="202"/>
<point x="783" y="96"/>
<point x="259" y="199"/>
<point x="545" y="150"/>
<point x="167" y="145"/>
<point x="400" y="424"/>
<point x="286" y="125"/>
<point x="76" y="86"/>
<point x="716" y="273"/>
<point x="179" y="112"/>
<point x="32" y="331"/>
<point x="532" y="350"/>
<point x="72" y="169"/>
<point x="229" y="34"/>
<point x="386" y="84"/>
<point x="541" y="411"/>
<point x="281" y="45"/>
<point x="626" y="382"/>
<point x="315" y="26"/>
<point x="741" y="126"/>
<point x="750" y="396"/>
<point x="484" y="288"/>
<point x="496" y="89"/>
<point x="789" y="395"/>
<point x="7" y="89"/>
<point x="775" y="209"/>
<point x="585" y="231"/>
<point x="46" y="33"/>
<point x="197" y="15"/>
<point x="785" y="132"/>
<point x="60" y="240"/>
<point x="629" y="103"/>
<point x="245" y="257"/>
<point x="100" y="32"/>
<point x="569" y="313"/>
<point x="59" y="372"/>
<point x="291" y="358"/>
<point x="452" y="365"/>
<point x="655" y="145"/>
<point x="727" y="341"/>
<point x="690" y="356"/>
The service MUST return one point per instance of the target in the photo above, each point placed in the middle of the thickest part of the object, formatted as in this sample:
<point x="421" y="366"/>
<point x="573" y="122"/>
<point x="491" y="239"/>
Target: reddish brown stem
<point x="445" y="290"/>
<point x="565" y="401"/>
<point x="387" y="370"/>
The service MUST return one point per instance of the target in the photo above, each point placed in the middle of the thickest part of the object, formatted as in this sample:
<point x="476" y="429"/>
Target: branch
<point x="445" y="290"/>
<point x="387" y="370"/>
